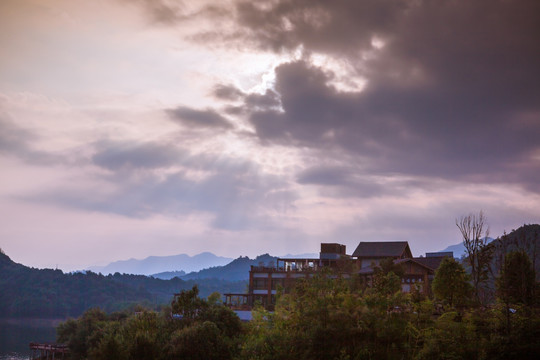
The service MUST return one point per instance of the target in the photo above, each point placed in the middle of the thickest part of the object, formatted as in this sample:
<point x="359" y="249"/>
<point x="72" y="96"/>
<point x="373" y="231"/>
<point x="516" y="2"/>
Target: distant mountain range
<point x="202" y="266"/>
<point x="459" y="249"/>
<point x="26" y="292"/>
<point x="159" y="264"/>
<point x="47" y="293"/>
<point x="237" y="270"/>
<point x="208" y="266"/>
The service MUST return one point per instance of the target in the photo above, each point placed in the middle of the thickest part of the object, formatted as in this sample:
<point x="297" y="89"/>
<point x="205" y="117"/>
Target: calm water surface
<point x="16" y="334"/>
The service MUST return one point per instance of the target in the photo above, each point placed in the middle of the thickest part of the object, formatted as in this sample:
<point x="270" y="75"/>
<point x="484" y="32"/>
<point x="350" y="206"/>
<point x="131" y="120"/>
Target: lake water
<point x="17" y="334"/>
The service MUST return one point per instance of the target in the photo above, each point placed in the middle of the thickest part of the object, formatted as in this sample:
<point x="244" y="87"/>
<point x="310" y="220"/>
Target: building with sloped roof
<point x="368" y="253"/>
<point x="417" y="271"/>
<point x="265" y="281"/>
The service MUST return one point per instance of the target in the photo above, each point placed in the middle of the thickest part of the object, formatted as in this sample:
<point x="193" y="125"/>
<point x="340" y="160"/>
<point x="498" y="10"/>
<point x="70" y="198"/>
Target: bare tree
<point x="475" y="231"/>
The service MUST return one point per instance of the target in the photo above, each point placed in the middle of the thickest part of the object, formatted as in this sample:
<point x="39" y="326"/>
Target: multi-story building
<point x="264" y="281"/>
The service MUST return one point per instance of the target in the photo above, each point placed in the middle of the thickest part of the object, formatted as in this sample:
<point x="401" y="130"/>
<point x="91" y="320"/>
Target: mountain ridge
<point x="236" y="270"/>
<point x="47" y="293"/>
<point x="459" y="249"/>
<point x="158" y="264"/>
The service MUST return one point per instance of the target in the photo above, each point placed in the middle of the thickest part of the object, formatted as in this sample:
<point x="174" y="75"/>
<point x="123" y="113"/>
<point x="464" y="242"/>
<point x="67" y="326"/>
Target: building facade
<point x="266" y="281"/>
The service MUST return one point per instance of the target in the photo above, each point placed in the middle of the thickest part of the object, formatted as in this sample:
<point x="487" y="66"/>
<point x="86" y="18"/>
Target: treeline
<point x="484" y="261"/>
<point x="201" y="329"/>
<point x="330" y="317"/>
<point x="236" y="270"/>
<point x="526" y="238"/>
<point x="47" y="293"/>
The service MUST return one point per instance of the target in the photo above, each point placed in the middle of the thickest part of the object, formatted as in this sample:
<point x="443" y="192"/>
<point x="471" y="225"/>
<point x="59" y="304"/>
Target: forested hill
<point x="29" y="292"/>
<point x="526" y="238"/>
<point x="157" y="264"/>
<point x="236" y="270"/>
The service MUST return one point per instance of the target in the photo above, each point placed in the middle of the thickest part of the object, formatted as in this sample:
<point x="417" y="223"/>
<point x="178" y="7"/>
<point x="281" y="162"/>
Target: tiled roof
<point x="374" y="249"/>
<point x="431" y="262"/>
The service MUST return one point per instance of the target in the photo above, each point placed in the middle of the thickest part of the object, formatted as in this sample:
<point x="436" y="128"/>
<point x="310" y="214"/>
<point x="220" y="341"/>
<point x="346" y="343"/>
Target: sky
<point x="160" y="127"/>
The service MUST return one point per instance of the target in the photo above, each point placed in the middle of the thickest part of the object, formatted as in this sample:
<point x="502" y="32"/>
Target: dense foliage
<point x="28" y="292"/>
<point x="451" y="283"/>
<point x="526" y="239"/>
<point x="324" y="317"/>
<point x="210" y="331"/>
<point x="516" y="281"/>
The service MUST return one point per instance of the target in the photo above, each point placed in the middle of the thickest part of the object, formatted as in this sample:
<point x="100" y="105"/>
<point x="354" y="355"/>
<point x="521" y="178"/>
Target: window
<point x="260" y="283"/>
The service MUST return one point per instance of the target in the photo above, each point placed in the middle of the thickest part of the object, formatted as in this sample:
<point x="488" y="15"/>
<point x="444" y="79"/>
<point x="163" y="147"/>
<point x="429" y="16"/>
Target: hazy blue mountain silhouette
<point x="236" y="270"/>
<point x="47" y="293"/>
<point x="459" y="249"/>
<point x="158" y="264"/>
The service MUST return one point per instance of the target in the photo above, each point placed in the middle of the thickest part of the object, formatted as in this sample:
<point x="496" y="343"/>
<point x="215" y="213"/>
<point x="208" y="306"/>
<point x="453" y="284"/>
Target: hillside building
<point x="264" y="281"/>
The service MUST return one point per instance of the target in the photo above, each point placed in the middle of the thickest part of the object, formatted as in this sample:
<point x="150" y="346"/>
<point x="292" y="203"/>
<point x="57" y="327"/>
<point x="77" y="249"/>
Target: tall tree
<point x="451" y="282"/>
<point x="475" y="231"/>
<point x="516" y="281"/>
<point x="188" y="304"/>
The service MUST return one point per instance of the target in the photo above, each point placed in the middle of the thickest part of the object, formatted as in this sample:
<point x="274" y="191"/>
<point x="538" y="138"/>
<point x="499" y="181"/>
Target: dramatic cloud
<point x="227" y="92"/>
<point x="198" y="118"/>
<point x="268" y="100"/>
<point x="448" y="87"/>
<point x="234" y="200"/>
<point x="17" y="142"/>
<point x="172" y="12"/>
<point x="146" y="179"/>
<point x="343" y="26"/>
<point x="345" y="182"/>
<point x="12" y="138"/>
<point x="162" y="11"/>
<point x="115" y="156"/>
<point x="266" y="125"/>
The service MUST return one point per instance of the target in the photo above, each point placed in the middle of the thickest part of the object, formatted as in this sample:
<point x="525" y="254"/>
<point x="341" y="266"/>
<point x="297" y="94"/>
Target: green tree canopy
<point x="188" y="304"/>
<point x="451" y="282"/>
<point x="517" y="279"/>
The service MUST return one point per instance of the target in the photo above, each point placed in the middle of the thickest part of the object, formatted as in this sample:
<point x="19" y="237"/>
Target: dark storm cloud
<point x="227" y="92"/>
<point x="254" y="101"/>
<point x="445" y="96"/>
<point x="268" y="100"/>
<point x="18" y="142"/>
<point x="342" y="26"/>
<point x="161" y="12"/>
<point x="198" y="118"/>
<point x="117" y="155"/>
<point x="234" y="110"/>
<point x="233" y="199"/>
<point x="172" y="12"/>
<point x="235" y="192"/>
<point x="453" y="87"/>
<point x="123" y="157"/>
<point x="324" y="175"/>
<point x="414" y="132"/>
<point x="13" y="138"/>
<point x="340" y="181"/>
